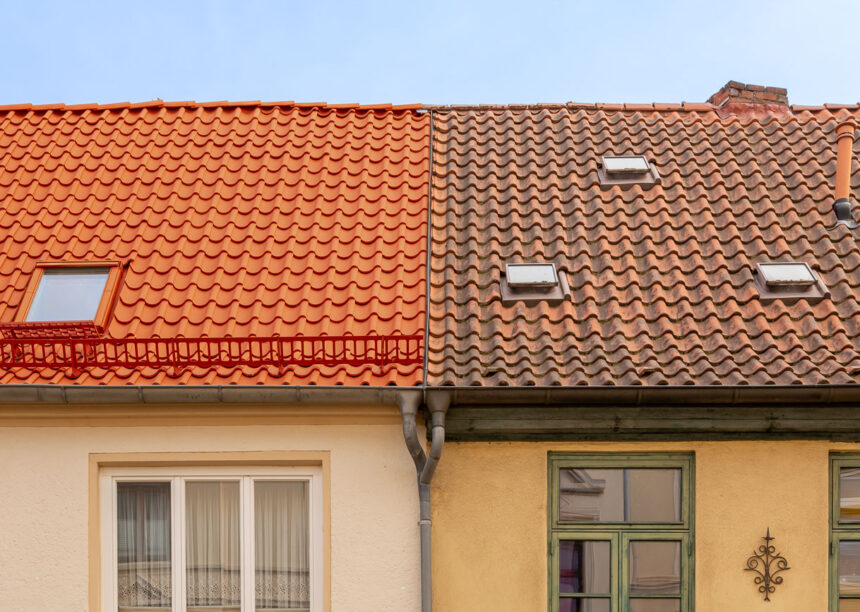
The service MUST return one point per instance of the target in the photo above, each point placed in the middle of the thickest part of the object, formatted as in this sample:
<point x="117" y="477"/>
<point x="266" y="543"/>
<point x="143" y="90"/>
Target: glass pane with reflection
<point x="849" y="605"/>
<point x="212" y="527"/>
<point x="143" y="545"/>
<point x="849" y="495"/>
<point x="654" y="496"/>
<point x="584" y="566"/>
<point x="584" y="605"/>
<point x="639" y="495"/>
<point x="849" y="567"/>
<point x="655" y="605"/>
<point x="591" y="495"/>
<point x="655" y="568"/>
<point x="68" y="294"/>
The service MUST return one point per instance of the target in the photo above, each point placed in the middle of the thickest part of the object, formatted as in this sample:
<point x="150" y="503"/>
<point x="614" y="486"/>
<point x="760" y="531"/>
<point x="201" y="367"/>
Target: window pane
<point x="654" y="496"/>
<point x="282" y="575"/>
<point x="849" y="605"/>
<point x="583" y="566"/>
<point x="212" y="552"/>
<point x="583" y="605"/>
<point x="849" y="568"/>
<point x="143" y="544"/>
<point x="655" y="605"/>
<point x="68" y="294"/>
<point x="655" y="568"/>
<point x="641" y="495"/>
<point x="849" y="495"/>
<point x="591" y="495"/>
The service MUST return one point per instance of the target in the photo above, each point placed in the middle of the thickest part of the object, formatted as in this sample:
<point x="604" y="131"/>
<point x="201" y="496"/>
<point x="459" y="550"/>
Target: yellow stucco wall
<point x="374" y="502"/>
<point x="490" y="522"/>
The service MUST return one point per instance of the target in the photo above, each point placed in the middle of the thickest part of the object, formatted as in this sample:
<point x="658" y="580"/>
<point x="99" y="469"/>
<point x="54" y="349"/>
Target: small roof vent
<point x="532" y="283"/>
<point x="789" y="280"/>
<point x="626" y="170"/>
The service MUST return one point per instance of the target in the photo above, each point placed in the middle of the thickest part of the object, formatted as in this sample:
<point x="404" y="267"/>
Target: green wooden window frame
<point x="839" y="531"/>
<point x="621" y="534"/>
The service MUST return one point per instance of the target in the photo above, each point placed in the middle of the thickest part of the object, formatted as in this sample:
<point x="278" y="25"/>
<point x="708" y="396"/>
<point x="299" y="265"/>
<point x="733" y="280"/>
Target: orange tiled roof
<point x="238" y="219"/>
<point x="661" y="279"/>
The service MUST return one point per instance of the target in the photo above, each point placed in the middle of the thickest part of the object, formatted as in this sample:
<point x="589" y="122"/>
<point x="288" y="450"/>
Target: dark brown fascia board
<point x="635" y="395"/>
<point x="534" y="396"/>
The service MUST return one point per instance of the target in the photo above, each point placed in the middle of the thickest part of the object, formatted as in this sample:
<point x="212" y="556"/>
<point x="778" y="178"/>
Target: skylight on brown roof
<point x="532" y="282"/>
<point x="788" y="280"/>
<point x="626" y="170"/>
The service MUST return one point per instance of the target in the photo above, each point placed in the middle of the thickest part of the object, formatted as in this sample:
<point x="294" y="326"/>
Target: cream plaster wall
<point x="44" y="505"/>
<point x="490" y="522"/>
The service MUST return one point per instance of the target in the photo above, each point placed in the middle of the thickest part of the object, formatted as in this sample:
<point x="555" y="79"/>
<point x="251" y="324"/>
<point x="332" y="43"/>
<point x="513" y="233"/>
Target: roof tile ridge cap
<point x="157" y="103"/>
<point x="16" y="107"/>
<point x="495" y="107"/>
<point x="81" y="107"/>
<point x="654" y="106"/>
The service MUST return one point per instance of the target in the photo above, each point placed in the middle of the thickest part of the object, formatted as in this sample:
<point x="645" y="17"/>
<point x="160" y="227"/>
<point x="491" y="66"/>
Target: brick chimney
<point x="741" y="93"/>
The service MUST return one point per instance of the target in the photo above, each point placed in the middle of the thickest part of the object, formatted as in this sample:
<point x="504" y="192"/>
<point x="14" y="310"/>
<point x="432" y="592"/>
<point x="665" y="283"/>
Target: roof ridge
<point x="650" y="106"/>
<point x="159" y="103"/>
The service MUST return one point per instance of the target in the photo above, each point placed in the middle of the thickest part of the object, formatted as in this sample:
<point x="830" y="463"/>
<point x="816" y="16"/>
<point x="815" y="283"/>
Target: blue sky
<point x="429" y="52"/>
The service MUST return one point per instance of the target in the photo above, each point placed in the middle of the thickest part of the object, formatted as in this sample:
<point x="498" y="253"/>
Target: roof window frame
<point x="533" y="285"/>
<point x="533" y="293"/>
<point x="627" y="178"/>
<point x="769" y="291"/>
<point x="106" y="301"/>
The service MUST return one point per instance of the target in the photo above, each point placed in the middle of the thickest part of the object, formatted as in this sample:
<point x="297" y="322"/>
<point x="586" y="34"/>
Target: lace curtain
<point x="281" y="545"/>
<point x="212" y="533"/>
<point x="143" y="534"/>
<point x="212" y="553"/>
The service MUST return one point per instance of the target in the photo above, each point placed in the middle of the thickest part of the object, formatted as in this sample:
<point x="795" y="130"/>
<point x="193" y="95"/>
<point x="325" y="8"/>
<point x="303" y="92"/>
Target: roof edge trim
<point x="200" y="394"/>
<point x="235" y="394"/>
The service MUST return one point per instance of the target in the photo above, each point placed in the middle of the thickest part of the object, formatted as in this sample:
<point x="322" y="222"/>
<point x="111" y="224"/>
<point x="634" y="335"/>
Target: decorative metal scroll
<point x="767" y="563"/>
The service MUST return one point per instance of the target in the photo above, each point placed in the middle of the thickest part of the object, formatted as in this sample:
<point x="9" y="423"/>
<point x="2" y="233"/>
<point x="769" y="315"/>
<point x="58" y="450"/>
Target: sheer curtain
<point x="143" y="534"/>
<point x="212" y="550"/>
<point x="282" y="578"/>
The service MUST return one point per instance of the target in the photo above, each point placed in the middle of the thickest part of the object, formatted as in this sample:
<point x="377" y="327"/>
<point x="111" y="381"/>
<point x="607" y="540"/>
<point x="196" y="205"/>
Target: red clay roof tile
<point x="238" y="219"/>
<point x="661" y="279"/>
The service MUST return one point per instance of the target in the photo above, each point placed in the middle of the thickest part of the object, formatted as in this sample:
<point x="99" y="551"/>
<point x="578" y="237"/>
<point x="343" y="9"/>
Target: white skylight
<point x="625" y="164"/>
<point x="530" y="275"/>
<point x="788" y="273"/>
<point x="68" y="294"/>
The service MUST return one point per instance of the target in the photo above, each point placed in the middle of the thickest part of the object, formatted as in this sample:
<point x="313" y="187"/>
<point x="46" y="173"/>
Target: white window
<point x="627" y="164"/>
<point x="527" y="275"/>
<point x="787" y="273"/>
<point x="211" y="539"/>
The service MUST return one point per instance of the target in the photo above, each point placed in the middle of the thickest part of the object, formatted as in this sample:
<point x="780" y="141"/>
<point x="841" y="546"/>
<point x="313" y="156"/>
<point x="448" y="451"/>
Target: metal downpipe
<point x="425" y="467"/>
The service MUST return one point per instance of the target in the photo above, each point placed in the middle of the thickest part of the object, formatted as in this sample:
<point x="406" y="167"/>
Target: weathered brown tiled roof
<point x="661" y="279"/>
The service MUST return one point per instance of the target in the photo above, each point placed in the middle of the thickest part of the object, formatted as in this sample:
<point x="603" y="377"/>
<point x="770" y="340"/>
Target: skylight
<point x="68" y="294"/>
<point x="626" y="171"/>
<point x="532" y="283"/>
<point x="788" y="281"/>
<point x="630" y="164"/>
<point x="787" y="274"/>
<point x="531" y="275"/>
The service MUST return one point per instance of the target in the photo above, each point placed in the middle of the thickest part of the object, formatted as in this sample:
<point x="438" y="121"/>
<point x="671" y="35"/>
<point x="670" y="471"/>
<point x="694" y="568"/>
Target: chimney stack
<point x="734" y="92"/>
<point x="844" y="153"/>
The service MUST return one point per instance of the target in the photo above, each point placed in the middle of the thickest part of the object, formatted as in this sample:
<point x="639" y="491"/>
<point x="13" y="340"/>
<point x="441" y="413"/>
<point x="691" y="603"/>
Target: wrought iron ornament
<point x="767" y="563"/>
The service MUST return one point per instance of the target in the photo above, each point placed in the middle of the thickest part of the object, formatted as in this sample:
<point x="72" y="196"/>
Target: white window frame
<point x="177" y="477"/>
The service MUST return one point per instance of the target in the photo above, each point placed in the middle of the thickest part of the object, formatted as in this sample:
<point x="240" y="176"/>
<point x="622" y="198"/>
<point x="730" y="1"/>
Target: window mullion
<point x="177" y="535"/>
<point x="247" y="544"/>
